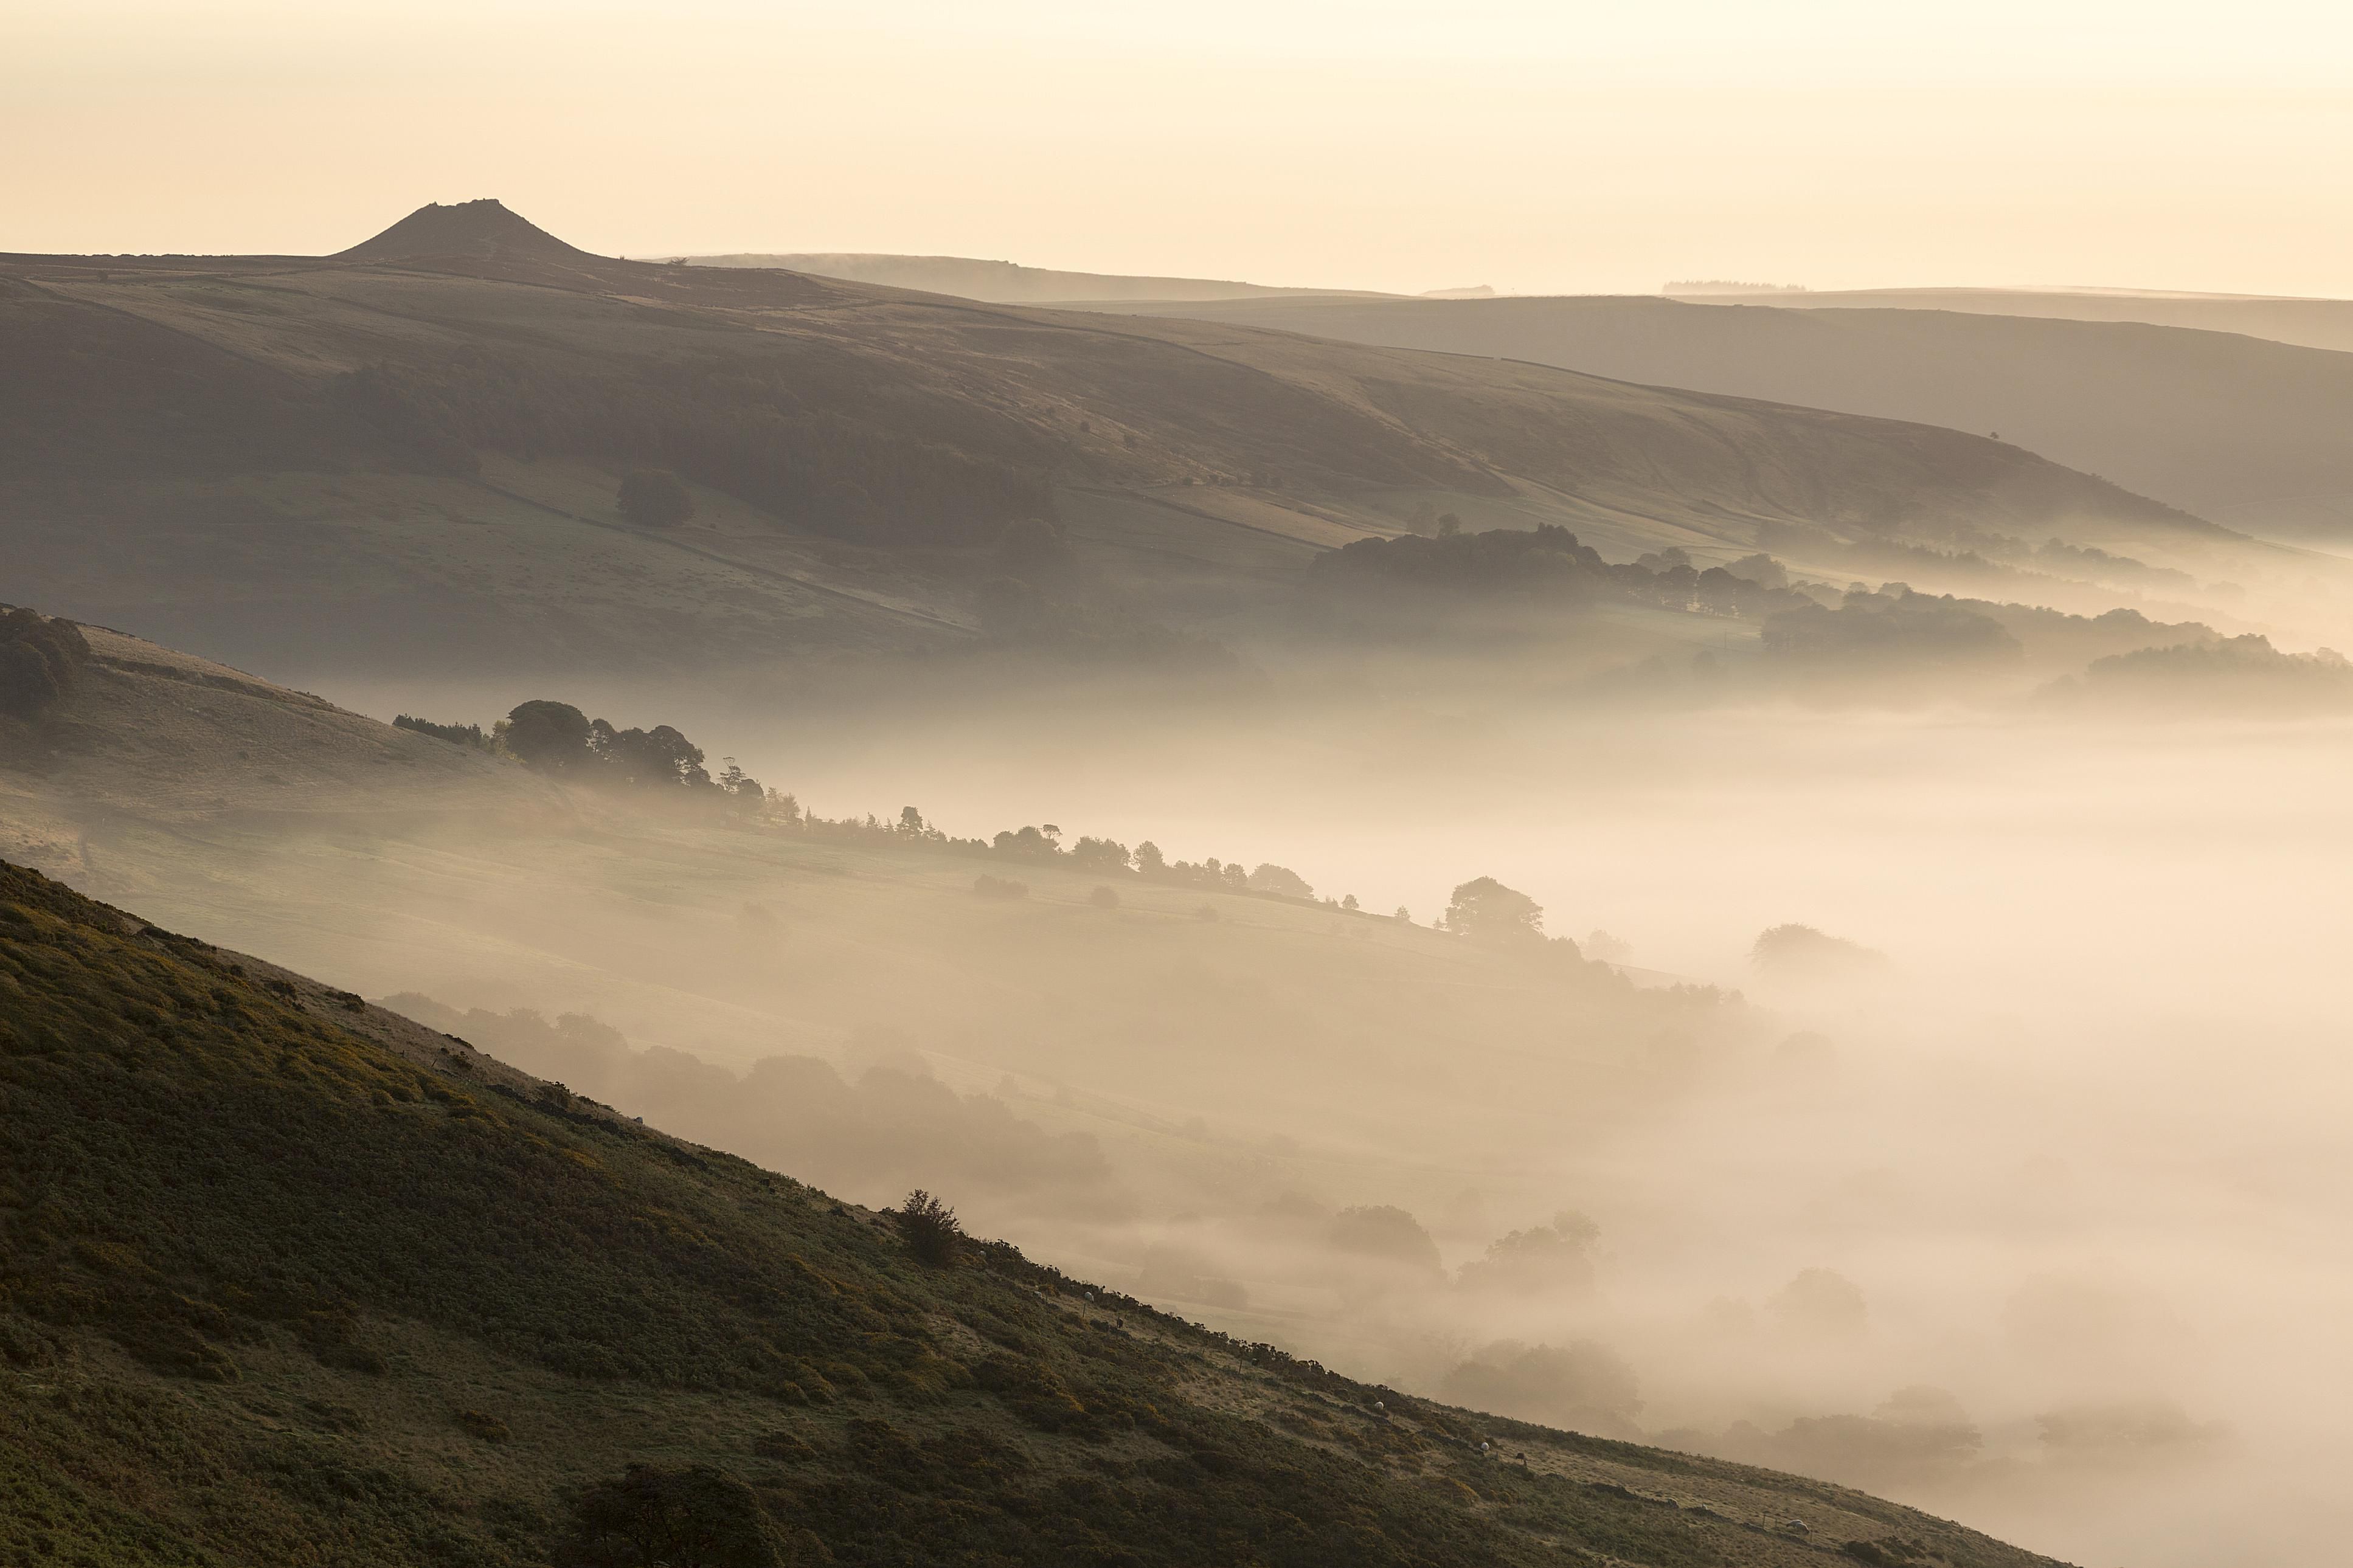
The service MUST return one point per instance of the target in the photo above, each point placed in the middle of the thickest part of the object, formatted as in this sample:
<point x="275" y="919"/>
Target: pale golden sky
<point x="1560" y="147"/>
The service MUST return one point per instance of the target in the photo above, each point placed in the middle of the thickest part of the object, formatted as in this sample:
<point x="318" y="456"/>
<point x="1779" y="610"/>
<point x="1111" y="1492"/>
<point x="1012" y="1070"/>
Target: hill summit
<point x="486" y="227"/>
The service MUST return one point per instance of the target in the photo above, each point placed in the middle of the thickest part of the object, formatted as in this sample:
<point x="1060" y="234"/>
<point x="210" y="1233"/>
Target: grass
<point x="274" y="1291"/>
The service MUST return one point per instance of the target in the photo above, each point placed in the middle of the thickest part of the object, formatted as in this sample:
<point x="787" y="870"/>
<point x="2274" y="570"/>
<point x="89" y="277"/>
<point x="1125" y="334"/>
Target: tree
<point x="911" y="821"/>
<point x="658" y="757"/>
<point x="743" y="790"/>
<point x="1148" y="859"/>
<point x="1485" y="909"/>
<point x="930" y="1228"/>
<point x="550" y="736"/>
<point x="1387" y="1233"/>
<point x="1100" y="854"/>
<point x="1029" y="844"/>
<point x="653" y="497"/>
<point x="1280" y="880"/>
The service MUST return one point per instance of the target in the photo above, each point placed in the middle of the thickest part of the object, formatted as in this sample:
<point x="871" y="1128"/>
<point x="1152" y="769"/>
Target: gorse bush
<point x="931" y="1228"/>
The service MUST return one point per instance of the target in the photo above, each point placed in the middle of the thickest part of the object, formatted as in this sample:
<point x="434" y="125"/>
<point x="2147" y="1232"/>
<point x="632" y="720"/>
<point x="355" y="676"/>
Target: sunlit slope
<point x="286" y="1277"/>
<point x="392" y="442"/>
<point x="2244" y="431"/>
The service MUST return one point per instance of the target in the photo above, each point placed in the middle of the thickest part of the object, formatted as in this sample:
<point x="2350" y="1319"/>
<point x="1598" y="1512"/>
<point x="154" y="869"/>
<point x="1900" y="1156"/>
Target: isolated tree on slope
<point x="1486" y="908"/>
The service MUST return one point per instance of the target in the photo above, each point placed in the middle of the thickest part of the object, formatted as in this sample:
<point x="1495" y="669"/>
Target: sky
<point x="1533" y="147"/>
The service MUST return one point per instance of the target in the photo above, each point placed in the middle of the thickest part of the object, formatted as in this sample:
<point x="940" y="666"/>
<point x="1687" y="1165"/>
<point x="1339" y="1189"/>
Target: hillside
<point x="520" y="1297"/>
<point x="406" y="456"/>
<point x="1003" y="282"/>
<point x="2310" y="323"/>
<point x="2233" y="427"/>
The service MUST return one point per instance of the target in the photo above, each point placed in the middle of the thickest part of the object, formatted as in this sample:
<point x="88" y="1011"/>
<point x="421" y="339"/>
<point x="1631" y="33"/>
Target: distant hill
<point x="2243" y="430"/>
<point x="475" y="229"/>
<point x="2309" y="323"/>
<point x="288" y="1277"/>
<point x="410" y="453"/>
<point x="1003" y="282"/>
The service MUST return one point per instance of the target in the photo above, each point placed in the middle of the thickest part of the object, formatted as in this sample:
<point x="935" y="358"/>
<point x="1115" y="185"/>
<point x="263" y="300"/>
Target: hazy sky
<point x="1534" y="147"/>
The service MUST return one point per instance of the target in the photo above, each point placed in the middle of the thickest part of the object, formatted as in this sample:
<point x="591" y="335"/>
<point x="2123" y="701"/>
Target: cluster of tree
<point x="473" y="737"/>
<point x="558" y="739"/>
<point x="1044" y="845"/>
<point x="1804" y="952"/>
<point x="2084" y="561"/>
<point x="41" y="660"/>
<point x="1896" y="630"/>
<point x="1892" y="630"/>
<point x="1976" y="557"/>
<point x="801" y="432"/>
<point x="2239" y="674"/>
<point x="1427" y="582"/>
<point x="1541" y="1260"/>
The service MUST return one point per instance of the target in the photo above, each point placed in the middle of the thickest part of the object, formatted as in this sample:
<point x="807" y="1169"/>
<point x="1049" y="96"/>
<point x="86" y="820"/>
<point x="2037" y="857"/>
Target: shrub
<point x="931" y="1228"/>
<point x="989" y="887"/>
<point x="1104" y="899"/>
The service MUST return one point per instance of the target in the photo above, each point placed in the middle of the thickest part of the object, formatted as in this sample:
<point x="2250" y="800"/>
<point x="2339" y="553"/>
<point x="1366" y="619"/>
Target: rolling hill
<point x="288" y="1278"/>
<point x="2245" y="431"/>
<point x="404" y="456"/>
<point x="2310" y="323"/>
<point x="1002" y="282"/>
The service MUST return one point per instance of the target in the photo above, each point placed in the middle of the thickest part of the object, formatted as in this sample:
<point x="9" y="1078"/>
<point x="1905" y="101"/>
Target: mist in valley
<point x="1999" y="1179"/>
<point x="1444" y="835"/>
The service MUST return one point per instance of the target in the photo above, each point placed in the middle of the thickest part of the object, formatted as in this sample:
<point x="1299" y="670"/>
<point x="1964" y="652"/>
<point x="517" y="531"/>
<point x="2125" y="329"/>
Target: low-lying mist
<point x="2016" y="1192"/>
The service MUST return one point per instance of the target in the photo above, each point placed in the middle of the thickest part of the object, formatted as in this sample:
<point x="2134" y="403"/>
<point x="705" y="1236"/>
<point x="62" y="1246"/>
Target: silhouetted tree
<point x="930" y="1228"/>
<point x="1280" y="880"/>
<point x="658" y="757"/>
<point x="653" y="497"/>
<point x="550" y="736"/>
<point x="1486" y="908"/>
<point x="1100" y="854"/>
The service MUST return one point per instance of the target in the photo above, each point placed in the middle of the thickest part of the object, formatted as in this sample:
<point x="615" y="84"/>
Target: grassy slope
<point x="184" y="414"/>
<point x="2242" y="431"/>
<point x="284" y="1279"/>
<point x="391" y="862"/>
